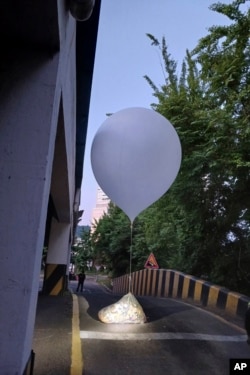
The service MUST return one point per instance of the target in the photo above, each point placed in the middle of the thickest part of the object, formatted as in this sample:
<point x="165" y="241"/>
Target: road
<point x="178" y="338"/>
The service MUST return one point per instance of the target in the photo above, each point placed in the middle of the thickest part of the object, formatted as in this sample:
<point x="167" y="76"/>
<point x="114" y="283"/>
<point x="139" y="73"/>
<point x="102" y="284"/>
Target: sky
<point x="124" y="55"/>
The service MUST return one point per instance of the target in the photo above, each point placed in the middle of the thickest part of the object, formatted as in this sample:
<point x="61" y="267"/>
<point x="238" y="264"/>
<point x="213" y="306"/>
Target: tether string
<point x="130" y="259"/>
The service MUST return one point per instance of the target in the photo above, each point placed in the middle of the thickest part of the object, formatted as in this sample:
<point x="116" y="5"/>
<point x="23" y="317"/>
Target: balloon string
<point x="130" y="260"/>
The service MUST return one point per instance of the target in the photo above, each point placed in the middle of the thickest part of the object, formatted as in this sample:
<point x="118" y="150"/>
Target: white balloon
<point x="135" y="157"/>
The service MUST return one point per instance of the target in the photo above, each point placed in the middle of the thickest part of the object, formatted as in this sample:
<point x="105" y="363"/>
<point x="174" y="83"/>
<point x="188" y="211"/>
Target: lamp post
<point x="81" y="10"/>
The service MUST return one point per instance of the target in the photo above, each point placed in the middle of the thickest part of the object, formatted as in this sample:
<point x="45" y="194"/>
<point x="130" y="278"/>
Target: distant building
<point x="102" y="203"/>
<point x="80" y="230"/>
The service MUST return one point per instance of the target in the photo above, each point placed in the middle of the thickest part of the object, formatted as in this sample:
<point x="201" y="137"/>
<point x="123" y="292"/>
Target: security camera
<point x="81" y="10"/>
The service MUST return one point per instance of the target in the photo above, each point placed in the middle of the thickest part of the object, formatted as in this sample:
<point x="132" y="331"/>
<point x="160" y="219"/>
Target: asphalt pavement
<point x="52" y="340"/>
<point x="176" y="334"/>
<point x="54" y="329"/>
<point x="177" y="339"/>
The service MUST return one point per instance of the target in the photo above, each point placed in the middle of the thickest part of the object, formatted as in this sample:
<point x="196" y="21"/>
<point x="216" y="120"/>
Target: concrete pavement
<point x="52" y="342"/>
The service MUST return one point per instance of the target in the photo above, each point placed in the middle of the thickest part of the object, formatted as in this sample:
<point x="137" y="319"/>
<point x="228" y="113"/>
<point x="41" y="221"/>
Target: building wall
<point x="102" y="202"/>
<point x="46" y="70"/>
<point x="36" y="84"/>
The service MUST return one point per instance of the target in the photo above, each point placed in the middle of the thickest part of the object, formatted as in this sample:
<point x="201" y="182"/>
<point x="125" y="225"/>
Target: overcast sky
<point x="124" y="55"/>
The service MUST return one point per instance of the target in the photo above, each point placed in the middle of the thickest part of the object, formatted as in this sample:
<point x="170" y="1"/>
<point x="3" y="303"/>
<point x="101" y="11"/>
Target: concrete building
<point x="101" y="207"/>
<point x="46" y="68"/>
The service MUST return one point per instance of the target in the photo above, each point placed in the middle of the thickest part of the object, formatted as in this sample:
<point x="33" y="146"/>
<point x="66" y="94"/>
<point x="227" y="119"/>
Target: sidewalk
<point x="56" y="321"/>
<point x="52" y="340"/>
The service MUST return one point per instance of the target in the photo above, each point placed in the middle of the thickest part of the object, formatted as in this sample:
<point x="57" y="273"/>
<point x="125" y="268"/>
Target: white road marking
<point x="160" y="336"/>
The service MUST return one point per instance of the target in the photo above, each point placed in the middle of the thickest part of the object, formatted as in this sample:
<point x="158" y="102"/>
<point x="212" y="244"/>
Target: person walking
<point x="81" y="279"/>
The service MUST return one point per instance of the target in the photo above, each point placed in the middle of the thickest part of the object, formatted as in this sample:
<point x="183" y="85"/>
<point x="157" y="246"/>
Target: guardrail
<point x="171" y="283"/>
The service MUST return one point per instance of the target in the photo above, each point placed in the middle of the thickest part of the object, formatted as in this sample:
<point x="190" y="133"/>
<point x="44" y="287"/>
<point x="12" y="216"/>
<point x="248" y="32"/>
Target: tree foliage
<point x="113" y="239"/>
<point x="82" y="252"/>
<point x="201" y="225"/>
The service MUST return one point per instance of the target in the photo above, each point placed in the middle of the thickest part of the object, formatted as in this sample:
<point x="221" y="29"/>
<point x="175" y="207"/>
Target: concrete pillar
<point x="55" y="275"/>
<point x="28" y="120"/>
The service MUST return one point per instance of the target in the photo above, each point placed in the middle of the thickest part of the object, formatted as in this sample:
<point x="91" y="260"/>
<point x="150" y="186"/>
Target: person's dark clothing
<point x="81" y="278"/>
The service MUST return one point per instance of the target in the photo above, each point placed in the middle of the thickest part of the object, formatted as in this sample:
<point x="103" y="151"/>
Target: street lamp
<point x="81" y="10"/>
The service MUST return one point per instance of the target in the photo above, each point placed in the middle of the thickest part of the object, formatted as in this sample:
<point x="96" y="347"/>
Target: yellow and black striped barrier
<point x="55" y="279"/>
<point x="171" y="283"/>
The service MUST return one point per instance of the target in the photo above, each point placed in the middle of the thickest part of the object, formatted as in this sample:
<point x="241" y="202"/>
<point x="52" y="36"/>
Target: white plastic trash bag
<point x="126" y="310"/>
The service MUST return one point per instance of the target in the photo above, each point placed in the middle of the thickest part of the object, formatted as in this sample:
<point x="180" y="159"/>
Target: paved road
<point x="178" y="338"/>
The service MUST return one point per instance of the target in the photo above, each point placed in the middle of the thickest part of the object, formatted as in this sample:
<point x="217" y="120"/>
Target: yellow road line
<point x="76" y="353"/>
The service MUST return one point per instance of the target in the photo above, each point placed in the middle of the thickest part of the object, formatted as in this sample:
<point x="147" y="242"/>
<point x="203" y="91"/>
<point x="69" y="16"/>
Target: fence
<point x="171" y="283"/>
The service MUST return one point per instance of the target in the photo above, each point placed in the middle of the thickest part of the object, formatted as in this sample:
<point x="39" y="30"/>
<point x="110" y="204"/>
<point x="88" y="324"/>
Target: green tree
<point x="115" y="242"/>
<point x="83" y="251"/>
<point x="111" y="241"/>
<point x="224" y="60"/>
<point x="205" y="215"/>
<point x="201" y="225"/>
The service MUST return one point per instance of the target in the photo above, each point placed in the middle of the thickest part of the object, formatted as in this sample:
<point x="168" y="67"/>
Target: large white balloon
<point x="135" y="157"/>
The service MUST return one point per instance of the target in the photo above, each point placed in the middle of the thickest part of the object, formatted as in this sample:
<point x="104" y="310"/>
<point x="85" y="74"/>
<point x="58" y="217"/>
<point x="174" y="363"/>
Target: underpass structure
<point x="46" y="68"/>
